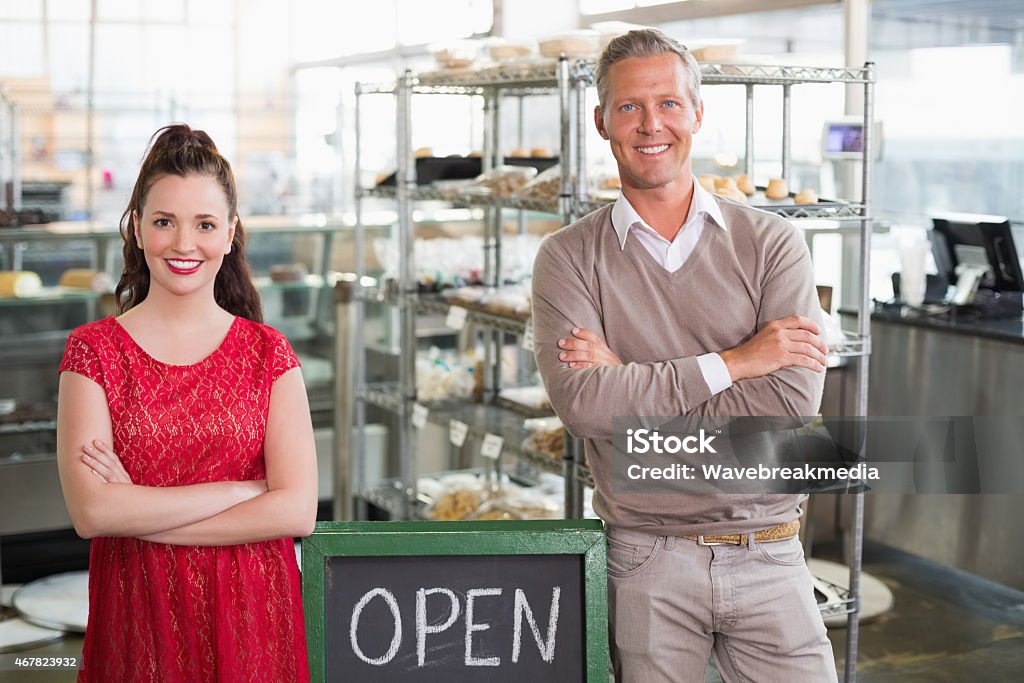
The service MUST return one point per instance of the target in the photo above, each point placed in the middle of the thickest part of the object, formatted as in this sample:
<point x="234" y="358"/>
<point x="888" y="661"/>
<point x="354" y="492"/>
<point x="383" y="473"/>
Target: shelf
<point x="35" y="348"/>
<point x="51" y="295"/>
<point x="494" y="321"/>
<point x="62" y="230"/>
<point x="524" y="410"/>
<point x="390" y="496"/>
<point x="584" y="475"/>
<point x="832" y="210"/>
<point x="28" y="427"/>
<point x="854" y="346"/>
<point x="827" y="209"/>
<point x="770" y="74"/>
<point x="97" y="230"/>
<point x="19" y="459"/>
<point x="437" y="304"/>
<point x="482" y="419"/>
<point x="383" y="395"/>
<point x="431" y="193"/>
<point x="308" y="282"/>
<point x="540" y="76"/>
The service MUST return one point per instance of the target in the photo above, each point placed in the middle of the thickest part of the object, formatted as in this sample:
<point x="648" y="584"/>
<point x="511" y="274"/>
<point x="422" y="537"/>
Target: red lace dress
<point x="190" y="613"/>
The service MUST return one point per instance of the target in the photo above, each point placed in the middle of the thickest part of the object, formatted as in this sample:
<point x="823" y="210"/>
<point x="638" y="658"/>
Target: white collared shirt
<point x="672" y="255"/>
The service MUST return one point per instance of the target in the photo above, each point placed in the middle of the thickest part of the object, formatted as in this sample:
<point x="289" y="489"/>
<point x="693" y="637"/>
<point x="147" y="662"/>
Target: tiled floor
<point x="947" y="626"/>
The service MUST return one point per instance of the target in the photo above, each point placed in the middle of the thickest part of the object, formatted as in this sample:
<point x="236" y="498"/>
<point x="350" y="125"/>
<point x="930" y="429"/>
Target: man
<point x="674" y="302"/>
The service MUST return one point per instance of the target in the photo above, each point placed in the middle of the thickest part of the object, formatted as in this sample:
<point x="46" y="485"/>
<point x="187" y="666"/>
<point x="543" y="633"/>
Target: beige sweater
<point x="756" y="270"/>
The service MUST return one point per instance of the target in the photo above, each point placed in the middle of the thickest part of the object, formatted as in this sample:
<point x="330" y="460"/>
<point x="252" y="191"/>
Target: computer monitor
<point x="844" y="139"/>
<point x="978" y="241"/>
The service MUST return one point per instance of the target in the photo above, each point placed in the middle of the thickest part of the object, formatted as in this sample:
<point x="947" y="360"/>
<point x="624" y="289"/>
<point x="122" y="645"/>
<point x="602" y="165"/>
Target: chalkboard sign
<point x="456" y="601"/>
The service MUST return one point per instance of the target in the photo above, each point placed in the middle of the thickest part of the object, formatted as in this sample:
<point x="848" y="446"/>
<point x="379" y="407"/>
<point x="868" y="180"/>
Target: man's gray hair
<point x="646" y="42"/>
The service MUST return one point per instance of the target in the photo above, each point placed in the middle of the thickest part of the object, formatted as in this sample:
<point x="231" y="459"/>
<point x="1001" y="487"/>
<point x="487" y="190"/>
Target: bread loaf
<point x="86" y="278"/>
<point x="20" y="283"/>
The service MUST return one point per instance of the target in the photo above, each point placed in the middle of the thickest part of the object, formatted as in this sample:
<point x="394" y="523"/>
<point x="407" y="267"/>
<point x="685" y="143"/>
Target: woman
<point x="185" y="446"/>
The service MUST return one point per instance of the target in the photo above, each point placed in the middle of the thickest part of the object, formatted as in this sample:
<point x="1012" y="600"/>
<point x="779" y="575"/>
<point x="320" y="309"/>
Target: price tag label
<point x="457" y="430"/>
<point x="456" y="317"/>
<point x="419" y="416"/>
<point x="491" y="447"/>
<point x="528" y="336"/>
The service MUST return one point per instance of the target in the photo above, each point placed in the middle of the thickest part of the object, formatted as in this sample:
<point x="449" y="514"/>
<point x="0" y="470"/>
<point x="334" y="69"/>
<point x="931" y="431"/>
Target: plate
<point x="60" y="601"/>
<point x="17" y="634"/>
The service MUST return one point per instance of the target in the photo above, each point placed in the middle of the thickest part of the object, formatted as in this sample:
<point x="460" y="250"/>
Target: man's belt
<point x="779" y="532"/>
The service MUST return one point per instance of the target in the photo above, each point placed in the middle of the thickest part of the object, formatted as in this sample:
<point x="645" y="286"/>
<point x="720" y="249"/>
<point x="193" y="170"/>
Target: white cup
<point x="913" y="254"/>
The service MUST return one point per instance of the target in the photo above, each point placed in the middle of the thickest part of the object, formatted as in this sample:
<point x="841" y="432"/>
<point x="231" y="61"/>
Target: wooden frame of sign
<point x="456" y="601"/>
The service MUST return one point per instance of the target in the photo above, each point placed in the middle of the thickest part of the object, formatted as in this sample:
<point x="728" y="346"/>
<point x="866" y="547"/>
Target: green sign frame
<point x="529" y="537"/>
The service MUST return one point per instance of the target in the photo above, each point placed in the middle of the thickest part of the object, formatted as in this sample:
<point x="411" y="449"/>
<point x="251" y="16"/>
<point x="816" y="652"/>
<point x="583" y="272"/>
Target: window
<point x="602" y="6"/>
<point x="424" y="22"/>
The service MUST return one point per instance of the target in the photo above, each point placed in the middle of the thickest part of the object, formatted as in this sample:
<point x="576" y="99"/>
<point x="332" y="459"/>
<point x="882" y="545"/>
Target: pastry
<point x="733" y="194"/>
<point x="707" y="181"/>
<point x="456" y="505"/>
<point x="777" y="189"/>
<point x="541" y="152"/>
<point x="506" y="50"/>
<point x="724" y="183"/>
<point x="551" y="443"/>
<point x="806" y="196"/>
<point x="745" y="185"/>
<point x="424" y="152"/>
<point x="582" y="43"/>
<point x="289" y="272"/>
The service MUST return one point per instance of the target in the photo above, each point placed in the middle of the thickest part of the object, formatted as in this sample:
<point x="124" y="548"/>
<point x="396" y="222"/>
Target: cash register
<point x="977" y="255"/>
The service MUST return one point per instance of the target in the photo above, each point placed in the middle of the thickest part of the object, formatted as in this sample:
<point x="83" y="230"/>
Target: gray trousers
<point x="673" y="603"/>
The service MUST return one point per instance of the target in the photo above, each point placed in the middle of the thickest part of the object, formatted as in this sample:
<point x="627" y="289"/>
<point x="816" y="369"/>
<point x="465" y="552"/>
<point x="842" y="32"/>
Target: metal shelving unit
<point x="570" y="81"/>
<point x="496" y="416"/>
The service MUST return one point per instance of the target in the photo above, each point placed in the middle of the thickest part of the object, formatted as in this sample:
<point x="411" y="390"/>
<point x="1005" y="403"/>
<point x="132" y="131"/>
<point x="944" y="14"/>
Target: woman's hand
<point x="104" y="463"/>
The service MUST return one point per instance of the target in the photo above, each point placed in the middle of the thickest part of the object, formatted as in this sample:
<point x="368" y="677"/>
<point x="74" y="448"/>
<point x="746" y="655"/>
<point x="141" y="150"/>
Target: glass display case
<point x="291" y="263"/>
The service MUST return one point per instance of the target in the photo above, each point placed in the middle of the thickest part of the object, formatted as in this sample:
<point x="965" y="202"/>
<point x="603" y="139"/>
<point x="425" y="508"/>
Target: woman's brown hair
<point x="179" y="150"/>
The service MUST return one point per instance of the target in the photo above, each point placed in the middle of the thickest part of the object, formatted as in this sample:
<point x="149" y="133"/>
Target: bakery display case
<point x="72" y="269"/>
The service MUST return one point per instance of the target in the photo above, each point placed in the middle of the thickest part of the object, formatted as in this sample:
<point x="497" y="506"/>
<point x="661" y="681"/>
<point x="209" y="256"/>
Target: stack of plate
<point x="45" y="610"/>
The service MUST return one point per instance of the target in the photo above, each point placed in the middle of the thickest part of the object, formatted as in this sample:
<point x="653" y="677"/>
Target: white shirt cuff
<point x="716" y="374"/>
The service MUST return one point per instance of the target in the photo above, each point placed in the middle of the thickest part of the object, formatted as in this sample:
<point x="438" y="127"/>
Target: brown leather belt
<point x="779" y="532"/>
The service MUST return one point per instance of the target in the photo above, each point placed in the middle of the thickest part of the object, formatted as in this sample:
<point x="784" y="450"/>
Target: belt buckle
<point x="701" y="541"/>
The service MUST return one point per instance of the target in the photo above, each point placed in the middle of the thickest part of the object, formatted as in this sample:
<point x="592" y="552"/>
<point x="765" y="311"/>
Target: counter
<point x="965" y="324"/>
<point x="945" y="366"/>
